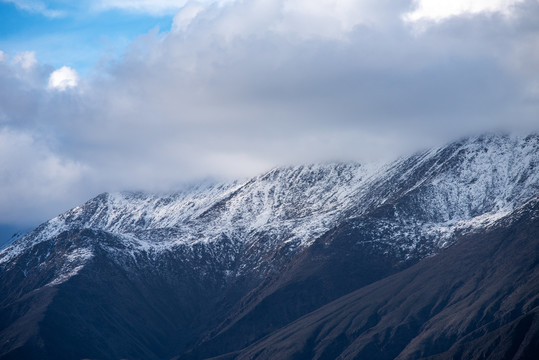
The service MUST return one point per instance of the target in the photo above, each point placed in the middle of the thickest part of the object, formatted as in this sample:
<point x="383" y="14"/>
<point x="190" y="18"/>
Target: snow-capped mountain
<point x="290" y="204"/>
<point x="431" y="194"/>
<point x="231" y="247"/>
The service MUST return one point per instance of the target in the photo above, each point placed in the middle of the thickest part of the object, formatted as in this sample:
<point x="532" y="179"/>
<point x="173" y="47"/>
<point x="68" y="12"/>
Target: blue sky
<point x="94" y="99"/>
<point x="77" y="37"/>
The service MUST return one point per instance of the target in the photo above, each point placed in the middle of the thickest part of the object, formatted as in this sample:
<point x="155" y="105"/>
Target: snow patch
<point x="72" y="264"/>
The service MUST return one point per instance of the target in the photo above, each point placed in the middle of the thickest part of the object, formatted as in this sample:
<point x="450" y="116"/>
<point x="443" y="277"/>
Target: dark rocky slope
<point x="476" y="300"/>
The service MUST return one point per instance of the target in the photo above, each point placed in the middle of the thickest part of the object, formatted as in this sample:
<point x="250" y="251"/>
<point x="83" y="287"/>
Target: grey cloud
<point x="212" y="101"/>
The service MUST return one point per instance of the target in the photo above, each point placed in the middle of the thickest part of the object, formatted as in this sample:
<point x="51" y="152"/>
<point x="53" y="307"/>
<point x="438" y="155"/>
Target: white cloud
<point x="296" y="19"/>
<point x="437" y="10"/>
<point x="186" y="15"/>
<point x="325" y="18"/>
<point x="25" y="67"/>
<point x="63" y="79"/>
<point x="36" y="6"/>
<point x="26" y="60"/>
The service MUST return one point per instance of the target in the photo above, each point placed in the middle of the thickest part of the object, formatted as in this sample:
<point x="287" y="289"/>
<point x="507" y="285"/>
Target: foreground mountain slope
<point x="215" y="268"/>
<point x="478" y="299"/>
<point x="420" y="205"/>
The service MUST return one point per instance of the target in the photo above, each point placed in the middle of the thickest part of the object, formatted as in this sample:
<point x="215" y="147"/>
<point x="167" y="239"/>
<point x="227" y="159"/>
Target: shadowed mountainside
<point x="476" y="300"/>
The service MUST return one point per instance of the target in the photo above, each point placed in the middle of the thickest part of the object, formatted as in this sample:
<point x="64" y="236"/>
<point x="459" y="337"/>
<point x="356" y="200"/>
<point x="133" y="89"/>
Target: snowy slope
<point x="413" y="205"/>
<point x="460" y="187"/>
<point x="293" y="202"/>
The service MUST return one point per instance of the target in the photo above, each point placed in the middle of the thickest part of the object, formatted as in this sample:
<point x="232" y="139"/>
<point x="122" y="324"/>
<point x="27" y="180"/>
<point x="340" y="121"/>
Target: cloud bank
<point x="240" y="86"/>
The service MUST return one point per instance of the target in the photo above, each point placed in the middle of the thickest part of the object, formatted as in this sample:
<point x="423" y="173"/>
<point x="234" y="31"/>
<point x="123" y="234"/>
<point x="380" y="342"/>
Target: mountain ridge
<point x="238" y="261"/>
